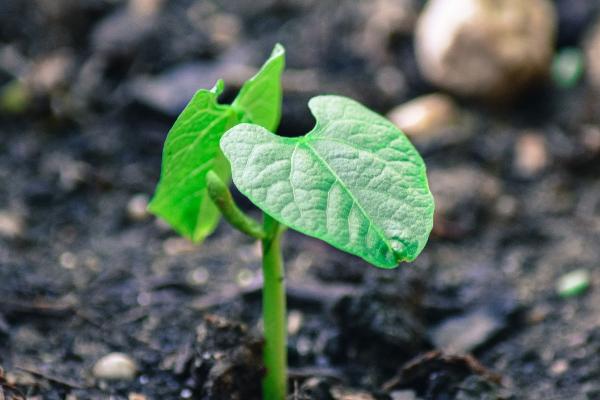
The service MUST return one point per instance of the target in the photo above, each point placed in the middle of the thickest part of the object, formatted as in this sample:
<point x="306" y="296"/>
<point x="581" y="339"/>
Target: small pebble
<point x="50" y="72"/>
<point x="567" y="67"/>
<point x="574" y="283"/>
<point x="137" y="207"/>
<point x="68" y="260"/>
<point x="144" y="8"/>
<point x="144" y="299"/>
<point x="198" y="276"/>
<point x="186" y="394"/>
<point x="244" y="277"/>
<point x="177" y="246"/>
<point x="225" y="28"/>
<point x="559" y="367"/>
<point x="11" y="225"/>
<point x="590" y="138"/>
<point x="343" y="393"/>
<point x="537" y="314"/>
<point x="425" y="115"/>
<point x="294" y="322"/>
<point x="115" y="366"/>
<point x="304" y="346"/>
<point x="531" y="154"/>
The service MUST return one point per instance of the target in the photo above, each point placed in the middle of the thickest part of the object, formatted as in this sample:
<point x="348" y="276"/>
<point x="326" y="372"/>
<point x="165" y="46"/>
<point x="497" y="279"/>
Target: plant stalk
<point x="221" y="197"/>
<point x="274" y="313"/>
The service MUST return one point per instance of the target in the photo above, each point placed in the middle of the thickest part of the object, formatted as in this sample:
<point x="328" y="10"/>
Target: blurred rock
<point x="427" y="117"/>
<point x="115" y="366"/>
<point x="11" y="225"/>
<point x="466" y="333"/>
<point x="567" y="67"/>
<point x="144" y="8"/>
<point x="224" y="29"/>
<point x="137" y="207"/>
<point x="486" y="49"/>
<point x="592" y="54"/>
<point x="294" y="322"/>
<point x="590" y="139"/>
<point x="531" y="154"/>
<point x="50" y="72"/>
<point x="559" y="367"/>
<point x="68" y="260"/>
<point x="176" y="246"/>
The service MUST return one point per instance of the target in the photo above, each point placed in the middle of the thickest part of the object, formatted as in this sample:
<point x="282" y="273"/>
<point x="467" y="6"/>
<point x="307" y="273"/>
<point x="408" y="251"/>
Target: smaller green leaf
<point x="192" y="147"/>
<point x="354" y="181"/>
<point x="190" y="151"/>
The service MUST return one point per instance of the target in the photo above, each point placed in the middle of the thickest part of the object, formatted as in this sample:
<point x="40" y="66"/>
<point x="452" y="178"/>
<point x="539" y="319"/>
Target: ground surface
<point x="83" y="276"/>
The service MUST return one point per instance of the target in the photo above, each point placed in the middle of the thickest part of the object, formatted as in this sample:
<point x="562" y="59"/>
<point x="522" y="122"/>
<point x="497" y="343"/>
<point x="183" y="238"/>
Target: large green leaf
<point x="354" y="181"/>
<point x="192" y="148"/>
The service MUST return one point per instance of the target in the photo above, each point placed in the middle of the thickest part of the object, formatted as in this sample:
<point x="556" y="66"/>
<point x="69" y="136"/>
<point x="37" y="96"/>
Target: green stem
<point x="220" y="195"/>
<point x="274" y="313"/>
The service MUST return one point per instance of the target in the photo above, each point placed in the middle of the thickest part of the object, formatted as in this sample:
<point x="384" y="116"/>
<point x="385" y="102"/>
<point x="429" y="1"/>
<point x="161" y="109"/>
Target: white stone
<point x="115" y="366"/>
<point x="485" y="48"/>
<point x="137" y="207"/>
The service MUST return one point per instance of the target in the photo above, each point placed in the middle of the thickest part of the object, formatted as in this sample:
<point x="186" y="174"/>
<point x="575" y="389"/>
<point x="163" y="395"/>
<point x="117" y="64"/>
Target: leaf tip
<point x="278" y="50"/>
<point x="219" y="87"/>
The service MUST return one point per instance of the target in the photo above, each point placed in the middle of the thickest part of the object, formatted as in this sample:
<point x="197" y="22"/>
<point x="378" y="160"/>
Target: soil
<point x="84" y="272"/>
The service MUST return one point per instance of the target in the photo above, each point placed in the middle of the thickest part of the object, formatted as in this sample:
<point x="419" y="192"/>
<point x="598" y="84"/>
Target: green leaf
<point x="190" y="151"/>
<point x="260" y="97"/>
<point x="192" y="148"/>
<point x="354" y="181"/>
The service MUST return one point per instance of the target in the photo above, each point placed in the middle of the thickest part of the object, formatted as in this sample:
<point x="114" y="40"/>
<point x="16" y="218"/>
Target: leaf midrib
<point x="382" y="237"/>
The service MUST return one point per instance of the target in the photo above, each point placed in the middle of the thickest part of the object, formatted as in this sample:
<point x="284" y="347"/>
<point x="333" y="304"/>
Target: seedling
<point x="354" y="181"/>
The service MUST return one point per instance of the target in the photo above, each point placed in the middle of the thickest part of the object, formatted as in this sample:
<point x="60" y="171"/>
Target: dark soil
<point x="84" y="275"/>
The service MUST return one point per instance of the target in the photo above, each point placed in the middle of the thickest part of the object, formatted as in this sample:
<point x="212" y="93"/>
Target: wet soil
<point x="84" y="272"/>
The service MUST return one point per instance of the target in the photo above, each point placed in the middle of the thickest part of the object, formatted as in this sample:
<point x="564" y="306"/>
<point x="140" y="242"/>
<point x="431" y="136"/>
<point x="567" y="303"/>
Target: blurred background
<point x="99" y="299"/>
